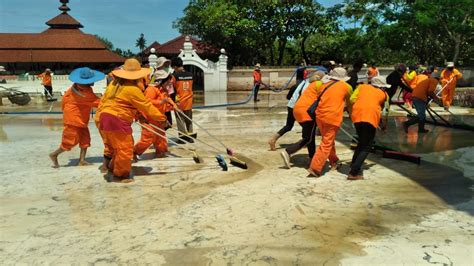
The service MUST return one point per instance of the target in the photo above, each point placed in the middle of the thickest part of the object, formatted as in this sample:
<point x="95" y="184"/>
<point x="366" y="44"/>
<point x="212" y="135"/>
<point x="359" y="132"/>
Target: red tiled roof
<point x="51" y="39"/>
<point x="175" y="45"/>
<point x="64" y="20"/>
<point x="155" y="45"/>
<point x="60" y="56"/>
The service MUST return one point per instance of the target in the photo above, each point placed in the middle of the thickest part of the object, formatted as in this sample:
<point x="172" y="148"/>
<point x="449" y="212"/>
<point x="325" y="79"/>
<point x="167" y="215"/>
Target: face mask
<point x="167" y="69"/>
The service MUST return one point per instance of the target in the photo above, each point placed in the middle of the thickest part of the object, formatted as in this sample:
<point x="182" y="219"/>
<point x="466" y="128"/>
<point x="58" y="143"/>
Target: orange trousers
<point x="447" y="95"/>
<point x="148" y="138"/>
<point x="75" y="135"/>
<point x="327" y="147"/>
<point x="107" y="153"/>
<point x="120" y="146"/>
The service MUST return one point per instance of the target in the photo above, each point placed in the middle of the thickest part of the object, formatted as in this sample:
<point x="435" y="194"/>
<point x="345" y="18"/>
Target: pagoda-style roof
<point x="48" y="40"/>
<point x="64" y="21"/>
<point x="63" y="42"/>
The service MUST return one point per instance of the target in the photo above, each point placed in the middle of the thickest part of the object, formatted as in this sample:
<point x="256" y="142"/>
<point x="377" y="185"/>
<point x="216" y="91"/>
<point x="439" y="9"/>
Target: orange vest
<point x="184" y="90"/>
<point x="77" y="105"/>
<point x="424" y="86"/>
<point x="368" y="105"/>
<point x="331" y="105"/>
<point x="305" y="101"/>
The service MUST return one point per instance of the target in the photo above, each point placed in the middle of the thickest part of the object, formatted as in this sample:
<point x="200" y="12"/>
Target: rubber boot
<point x="272" y="141"/>
<point x="421" y="128"/>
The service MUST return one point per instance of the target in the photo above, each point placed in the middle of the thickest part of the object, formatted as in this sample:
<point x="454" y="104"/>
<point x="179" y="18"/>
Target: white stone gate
<point x="215" y="74"/>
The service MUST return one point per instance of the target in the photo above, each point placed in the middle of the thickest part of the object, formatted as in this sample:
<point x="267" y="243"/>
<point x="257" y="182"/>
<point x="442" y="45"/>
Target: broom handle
<point x="200" y="141"/>
<point x="349" y="135"/>
<point x="164" y="137"/>
<point x="444" y="87"/>
<point x="201" y="127"/>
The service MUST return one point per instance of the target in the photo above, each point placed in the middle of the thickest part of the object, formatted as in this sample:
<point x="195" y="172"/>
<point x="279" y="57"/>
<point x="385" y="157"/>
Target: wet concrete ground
<point x="181" y="213"/>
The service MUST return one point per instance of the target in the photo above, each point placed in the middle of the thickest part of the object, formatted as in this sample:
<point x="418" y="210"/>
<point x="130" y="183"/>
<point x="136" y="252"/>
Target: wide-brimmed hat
<point x="131" y="70"/>
<point x="160" y="74"/>
<point x="161" y="61"/>
<point x="338" y="73"/>
<point x="316" y="75"/>
<point x="379" y="81"/>
<point x="85" y="75"/>
<point x="257" y="66"/>
<point x="450" y="64"/>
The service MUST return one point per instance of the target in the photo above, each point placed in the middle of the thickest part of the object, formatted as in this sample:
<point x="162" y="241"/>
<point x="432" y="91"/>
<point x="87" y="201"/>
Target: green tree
<point x="141" y="42"/>
<point x="108" y="44"/>
<point x="430" y="30"/>
<point x="250" y="29"/>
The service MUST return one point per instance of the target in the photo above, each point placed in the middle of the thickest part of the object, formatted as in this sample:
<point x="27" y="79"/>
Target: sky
<point x="120" y="21"/>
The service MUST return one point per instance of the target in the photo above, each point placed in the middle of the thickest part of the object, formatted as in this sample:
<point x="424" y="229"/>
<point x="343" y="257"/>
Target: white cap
<point x="450" y="64"/>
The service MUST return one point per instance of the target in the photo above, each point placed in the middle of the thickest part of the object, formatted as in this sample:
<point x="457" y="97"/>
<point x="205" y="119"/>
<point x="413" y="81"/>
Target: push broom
<point x="387" y="152"/>
<point x="233" y="160"/>
<point x="219" y="158"/>
<point x="229" y="151"/>
<point x="196" y="157"/>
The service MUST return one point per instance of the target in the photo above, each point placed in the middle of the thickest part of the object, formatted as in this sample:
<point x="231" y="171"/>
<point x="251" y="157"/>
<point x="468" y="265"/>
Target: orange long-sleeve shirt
<point x="159" y="98"/>
<point x="46" y="79"/>
<point x="77" y="104"/>
<point x="372" y="72"/>
<point x="410" y="79"/>
<point x="425" y="86"/>
<point x="368" y="101"/>
<point x="257" y="77"/>
<point x="305" y="101"/>
<point x="331" y="106"/>
<point x="125" y="101"/>
<point x="447" y="75"/>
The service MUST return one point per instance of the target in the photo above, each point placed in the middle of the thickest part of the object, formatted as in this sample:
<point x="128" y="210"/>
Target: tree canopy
<point x="286" y="32"/>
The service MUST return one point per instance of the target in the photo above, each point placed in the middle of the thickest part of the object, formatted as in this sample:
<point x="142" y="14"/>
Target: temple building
<point x="62" y="47"/>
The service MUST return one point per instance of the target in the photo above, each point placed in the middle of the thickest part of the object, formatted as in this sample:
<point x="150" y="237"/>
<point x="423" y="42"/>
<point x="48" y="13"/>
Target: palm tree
<point x="141" y="42"/>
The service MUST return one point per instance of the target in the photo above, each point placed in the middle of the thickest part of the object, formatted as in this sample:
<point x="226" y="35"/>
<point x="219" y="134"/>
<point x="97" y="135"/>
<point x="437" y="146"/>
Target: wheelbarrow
<point x="15" y="96"/>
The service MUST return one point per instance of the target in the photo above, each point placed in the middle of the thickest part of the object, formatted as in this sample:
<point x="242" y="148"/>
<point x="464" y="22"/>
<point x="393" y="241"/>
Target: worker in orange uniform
<point x="77" y="104"/>
<point x="257" y="80"/>
<point x="119" y="107"/>
<point x="329" y="114"/>
<point x="410" y="79"/>
<point x="183" y="82"/>
<point x="372" y="71"/>
<point x="299" y="113"/>
<point x="159" y="97"/>
<point x="449" y="78"/>
<point x="425" y="88"/>
<point x="368" y="101"/>
<point x="47" y="83"/>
